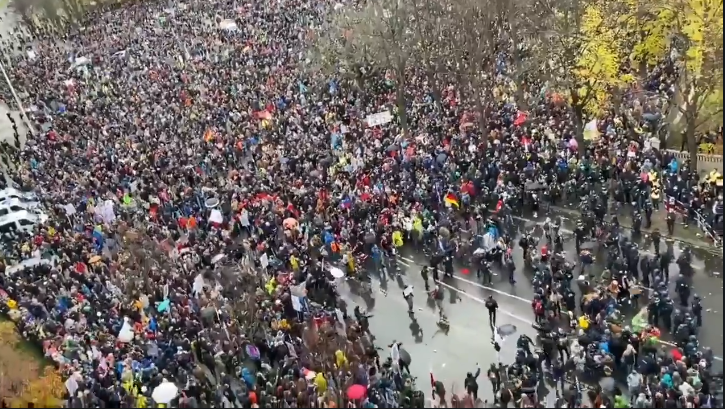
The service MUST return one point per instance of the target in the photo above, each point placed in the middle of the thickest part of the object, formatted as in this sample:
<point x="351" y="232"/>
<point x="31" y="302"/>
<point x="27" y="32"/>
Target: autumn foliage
<point x="22" y="378"/>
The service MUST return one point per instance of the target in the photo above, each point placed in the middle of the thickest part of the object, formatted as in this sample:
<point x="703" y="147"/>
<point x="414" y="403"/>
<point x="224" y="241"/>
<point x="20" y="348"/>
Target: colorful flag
<point x="451" y="199"/>
<point x="499" y="205"/>
<point x="208" y="135"/>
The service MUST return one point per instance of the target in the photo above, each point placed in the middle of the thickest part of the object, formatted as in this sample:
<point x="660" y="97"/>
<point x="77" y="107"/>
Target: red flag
<point x="499" y="205"/>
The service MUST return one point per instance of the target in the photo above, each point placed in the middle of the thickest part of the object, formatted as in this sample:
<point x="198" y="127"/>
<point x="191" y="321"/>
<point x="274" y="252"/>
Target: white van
<point x="22" y="220"/>
<point x="11" y="193"/>
<point x="8" y="206"/>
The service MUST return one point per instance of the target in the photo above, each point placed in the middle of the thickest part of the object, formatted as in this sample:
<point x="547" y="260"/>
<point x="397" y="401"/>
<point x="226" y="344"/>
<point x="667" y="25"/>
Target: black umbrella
<point x="404" y="356"/>
<point x="506" y="330"/>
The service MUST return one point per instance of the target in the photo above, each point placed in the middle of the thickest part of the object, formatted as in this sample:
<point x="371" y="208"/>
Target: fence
<point x="702" y="222"/>
<point x="705" y="162"/>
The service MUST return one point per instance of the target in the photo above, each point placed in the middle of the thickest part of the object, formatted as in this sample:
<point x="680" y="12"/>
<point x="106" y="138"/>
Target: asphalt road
<point x="447" y="355"/>
<point x="706" y="282"/>
<point x="450" y="356"/>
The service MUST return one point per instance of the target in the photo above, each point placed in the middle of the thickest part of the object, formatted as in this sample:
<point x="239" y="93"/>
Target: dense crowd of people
<point x="201" y="186"/>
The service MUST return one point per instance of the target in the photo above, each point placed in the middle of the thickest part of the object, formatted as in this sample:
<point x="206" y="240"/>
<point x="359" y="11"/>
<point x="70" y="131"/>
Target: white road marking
<point x="482" y="301"/>
<point x="512" y="296"/>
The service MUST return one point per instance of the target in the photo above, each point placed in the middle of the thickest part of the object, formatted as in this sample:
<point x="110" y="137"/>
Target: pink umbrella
<point x="356" y="392"/>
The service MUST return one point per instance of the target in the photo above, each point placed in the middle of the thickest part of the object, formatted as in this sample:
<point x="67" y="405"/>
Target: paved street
<point x="707" y="281"/>
<point x="449" y="356"/>
<point x="468" y="341"/>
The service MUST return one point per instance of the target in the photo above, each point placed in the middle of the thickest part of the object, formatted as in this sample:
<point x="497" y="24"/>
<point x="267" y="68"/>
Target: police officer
<point x="633" y="260"/>
<point x="683" y="290"/>
<point x="647" y="215"/>
<point x="424" y="274"/>
<point x="697" y="310"/>
<point x="677" y="318"/>
<point x="656" y="237"/>
<point x="492" y="306"/>
<point x="671" y="221"/>
<point x="666" y="308"/>
<point x="484" y="270"/>
<point x="636" y="222"/>
<point x="579" y="234"/>
<point x="653" y="312"/>
<point x="665" y="259"/>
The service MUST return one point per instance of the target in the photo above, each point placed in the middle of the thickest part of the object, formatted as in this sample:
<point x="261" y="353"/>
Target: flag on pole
<point x="451" y="199"/>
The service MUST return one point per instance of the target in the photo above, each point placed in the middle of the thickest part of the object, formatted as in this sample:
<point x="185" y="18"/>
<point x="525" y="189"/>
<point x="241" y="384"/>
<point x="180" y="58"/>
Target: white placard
<point x="264" y="261"/>
<point x="216" y="217"/>
<point x="381" y="118"/>
<point x="297" y="303"/>
<point x="126" y="333"/>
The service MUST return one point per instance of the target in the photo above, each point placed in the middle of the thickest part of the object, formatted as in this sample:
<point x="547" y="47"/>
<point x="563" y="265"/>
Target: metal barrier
<point x="701" y="222"/>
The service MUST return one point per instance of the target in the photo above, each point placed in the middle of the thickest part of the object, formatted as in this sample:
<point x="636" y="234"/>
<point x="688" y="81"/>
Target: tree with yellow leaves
<point x="43" y="392"/>
<point x="698" y="51"/>
<point x="690" y="34"/>
<point x="20" y="383"/>
<point x="583" y="54"/>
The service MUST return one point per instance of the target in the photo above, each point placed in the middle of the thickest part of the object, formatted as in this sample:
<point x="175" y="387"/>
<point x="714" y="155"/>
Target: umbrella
<point x="506" y="330"/>
<point x="252" y="351"/>
<point x="95" y="259"/>
<point x="356" y="392"/>
<point x="535" y="186"/>
<point x="336" y="272"/>
<point x="165" y="393"/>
<point x="404" y="356"/>
<point x="290" y="223"/>
<point x="211" y="203"/>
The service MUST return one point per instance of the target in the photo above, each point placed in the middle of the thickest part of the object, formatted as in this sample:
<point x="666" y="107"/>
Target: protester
<point x="202" y="185"/>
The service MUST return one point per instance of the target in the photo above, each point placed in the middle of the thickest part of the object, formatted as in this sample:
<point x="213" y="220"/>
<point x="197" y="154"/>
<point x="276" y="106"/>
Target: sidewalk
<point x="691" y="235"/>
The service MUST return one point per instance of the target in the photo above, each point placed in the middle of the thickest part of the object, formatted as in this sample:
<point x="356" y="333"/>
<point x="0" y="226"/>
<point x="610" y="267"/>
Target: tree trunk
<point x="400" y="100"/>
<point x="433" y="83"/>
<point x="578" y="123"/>
<point x="691" y="138"/>
<point x="483" y="123"/>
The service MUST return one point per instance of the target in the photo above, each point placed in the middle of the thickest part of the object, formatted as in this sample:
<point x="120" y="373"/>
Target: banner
<point x="381" y="118"/>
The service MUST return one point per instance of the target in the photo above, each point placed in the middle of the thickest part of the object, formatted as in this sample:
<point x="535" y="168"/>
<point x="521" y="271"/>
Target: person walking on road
<point x="492" y="306"/>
